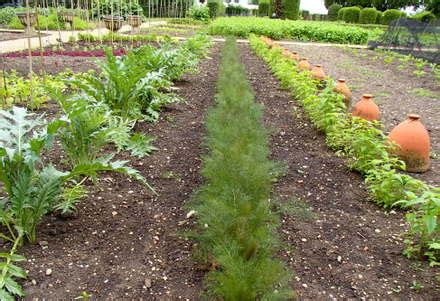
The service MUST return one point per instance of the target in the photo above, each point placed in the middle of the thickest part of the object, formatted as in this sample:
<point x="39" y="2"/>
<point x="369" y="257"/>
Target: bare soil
<point x="397" y="93"/>
<point x="350" y="248"/>
<point x="125" y="242"/>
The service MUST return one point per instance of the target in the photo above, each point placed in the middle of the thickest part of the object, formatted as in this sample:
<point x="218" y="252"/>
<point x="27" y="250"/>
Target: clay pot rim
<point x="341" y="80"/>
<point x="368" y="96"/>
<point x="318" y="65"/>
<point x="414" y="117"/>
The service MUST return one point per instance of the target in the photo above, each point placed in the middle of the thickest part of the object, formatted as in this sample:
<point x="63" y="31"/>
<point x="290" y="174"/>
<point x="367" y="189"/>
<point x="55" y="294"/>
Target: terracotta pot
<point x="318" y="73"/>
<point x="413" y="143"/>
<point x="342" y="88"/>
<point x="304" y="64"/>
<point x="366" y="108"/>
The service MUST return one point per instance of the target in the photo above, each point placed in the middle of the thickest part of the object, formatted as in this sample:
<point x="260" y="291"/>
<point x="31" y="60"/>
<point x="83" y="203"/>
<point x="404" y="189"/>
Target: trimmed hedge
<point x="213" y="7"/>
<point x="425" y="16"/>
<point x="341" y="14"/>
<point x="263" y="8"/>
<point x="391" y="15"/>
<point x="290" y="9"/>
<point x="305" y="14"/>
<point x="333" y="11"/>
<point x="379" y="17"/>
<point x="351" y="14"/>
<point x="287" y="29"/>
<point x="368" y="15"/>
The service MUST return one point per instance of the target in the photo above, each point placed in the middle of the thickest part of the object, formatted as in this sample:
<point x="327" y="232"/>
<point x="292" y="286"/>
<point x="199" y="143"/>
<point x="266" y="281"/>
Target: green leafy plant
<point x="237" y="226"/>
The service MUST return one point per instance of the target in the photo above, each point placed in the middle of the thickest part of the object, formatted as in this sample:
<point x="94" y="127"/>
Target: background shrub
<point x="333" y="11"/>
<point x="199" y="13"/>
<point x="391" y="15"/>
<point x="213" y="7"/>
<point x="263" y="8"/>
<point x="237" y="10"/>
<point x="379" y="17"/>
<point x="290" y="9"/>
<point x="351" y="14"/>
<point x="51" y="22"/>
<point x="341" y="14"/>
<point x="368" y="15"/>
<point x="6" y="15"/>
<point x="305" y="14"/>
<point x="425" y="16"/>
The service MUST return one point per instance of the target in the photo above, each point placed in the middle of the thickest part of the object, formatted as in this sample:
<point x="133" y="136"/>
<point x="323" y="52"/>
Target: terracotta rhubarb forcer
<point x="318" y="73"/>
<point x="304" y="64"/>
<point x="342" y="88"/>
<point x="366" y="108"/>
<point x="413" y="143"/>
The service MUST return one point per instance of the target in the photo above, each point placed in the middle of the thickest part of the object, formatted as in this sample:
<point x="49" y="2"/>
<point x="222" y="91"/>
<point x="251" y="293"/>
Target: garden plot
<point x="125" y="241"/>
<point x="397" y="92"/>
<point x="339" y="244"/>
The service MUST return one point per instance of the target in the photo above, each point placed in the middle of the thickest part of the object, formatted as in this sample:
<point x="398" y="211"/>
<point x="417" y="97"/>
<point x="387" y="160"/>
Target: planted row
<point x="367" y="149"/>
<point x="237" y="228"/>
<point x="297" y="30"/>
<point x="100" y="114"/>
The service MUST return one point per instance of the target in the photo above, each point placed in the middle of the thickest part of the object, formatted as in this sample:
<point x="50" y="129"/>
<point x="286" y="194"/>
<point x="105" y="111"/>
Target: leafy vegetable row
<point x="367" y="149"/>
<point x="101" y="112"/>
<point x="297" y="30"/>
<point x="237" y="227"/>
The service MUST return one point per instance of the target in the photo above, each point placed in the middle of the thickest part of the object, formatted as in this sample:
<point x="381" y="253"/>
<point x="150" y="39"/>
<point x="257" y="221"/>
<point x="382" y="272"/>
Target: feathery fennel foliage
<point x="238" y="229"/>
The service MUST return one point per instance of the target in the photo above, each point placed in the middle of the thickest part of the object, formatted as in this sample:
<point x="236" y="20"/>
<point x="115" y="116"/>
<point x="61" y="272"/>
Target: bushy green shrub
<point x="390" y="15"/>
<point x="287" y="29"/>
<point x="199" y="13"/>
<point x="213" y="6"/>
<point x="237" y="10"/>
<point x="341" y="14"/>
<point x="425" y="16"/>
<point x="263" y="8"/>
<point x="51" y="22"/>
<point x="290" y="9"/>
<point x="6" y="15"/>
<point x="351" y="14"/>
<point x="333" y="11"/>
<point x="305" y="14"/>
<point x="379" y="17"/>
<point x="368" y="15"/>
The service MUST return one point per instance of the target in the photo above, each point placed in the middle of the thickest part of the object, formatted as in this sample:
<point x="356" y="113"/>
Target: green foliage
<point x="237" y="10"/>
<point x="52" y="22"/>
<point x="286" y="29"/>
<point x="391" y="15"/>
<point x="6" y="15"/>
<point x="263" y="8"/>
<point x="9" y="270"/>
<point x="351" y="14"/>
<point x="199" y="13"/>
<point x="341" y="14"/>
<point x="15" y="89"/>
<point x="237" y="227"/>
<point x="424" y="220"/>
<point x="290" y="9"/>
<point x="31" y="187"/>
<point x="333" y="11"/>
<point x="425" y="16"/>
<point x="379" y="17"/>
<point x="368" y="16"/>
<point x="367" y="149"/>
<point x="215" y="8"/>
<point x="117" y="7"/>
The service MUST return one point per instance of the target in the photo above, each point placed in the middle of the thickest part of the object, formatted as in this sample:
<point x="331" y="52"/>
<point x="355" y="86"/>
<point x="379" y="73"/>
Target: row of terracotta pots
<point x="411" y="136"/>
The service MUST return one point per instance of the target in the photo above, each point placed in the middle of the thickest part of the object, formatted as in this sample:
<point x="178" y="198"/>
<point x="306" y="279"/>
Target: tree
<point x="433" y="6"/>
<point x="328" y="3"/>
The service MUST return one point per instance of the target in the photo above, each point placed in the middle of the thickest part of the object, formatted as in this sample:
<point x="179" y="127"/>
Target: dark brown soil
<point x="125" y="242"/>
<point x="55" y="64"/>
<point x="350" y="248"/>
<point x="13" y="35"/>
<point x="397" y="93"/>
